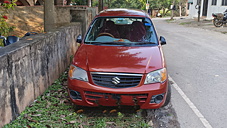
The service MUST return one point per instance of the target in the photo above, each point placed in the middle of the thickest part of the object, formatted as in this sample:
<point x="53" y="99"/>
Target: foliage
<point x="5" y="28"/>
<point x="80" y="2"/>
<point x="159" y="4"/>
<point x="95" y="3"/>
<point x="134" y="4"/>
<point x="54" y="109"/>
<point x="163" y="5"/>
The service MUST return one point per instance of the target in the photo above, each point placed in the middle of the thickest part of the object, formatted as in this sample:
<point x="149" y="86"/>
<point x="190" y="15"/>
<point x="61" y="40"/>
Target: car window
<point x="121" y="29"/>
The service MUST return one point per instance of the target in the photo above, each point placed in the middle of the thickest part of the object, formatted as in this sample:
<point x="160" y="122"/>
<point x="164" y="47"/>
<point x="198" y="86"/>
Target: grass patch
<point x="170" y="20"/>
<point x="54" y="109"/>
<point x="184" y="23"/>
<point x="224" y="32"/>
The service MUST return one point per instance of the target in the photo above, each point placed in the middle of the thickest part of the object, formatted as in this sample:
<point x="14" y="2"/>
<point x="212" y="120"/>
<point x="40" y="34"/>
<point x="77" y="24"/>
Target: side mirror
<point x="79" y="38"/>
<point x="162" y="40"/>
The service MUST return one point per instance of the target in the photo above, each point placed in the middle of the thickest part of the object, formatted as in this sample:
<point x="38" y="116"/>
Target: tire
<point x="217" y="22"/>
<point x="168" y="96"/>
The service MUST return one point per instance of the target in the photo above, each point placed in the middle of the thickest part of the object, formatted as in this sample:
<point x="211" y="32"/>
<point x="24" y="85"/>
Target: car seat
<point x="110" y="27"/>
<point x="137" y="32"/>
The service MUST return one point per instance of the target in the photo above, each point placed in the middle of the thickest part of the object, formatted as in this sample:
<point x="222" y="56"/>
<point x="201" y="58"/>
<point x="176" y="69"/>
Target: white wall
<point x="215" y="9"/>
<point x="193" y="12"/>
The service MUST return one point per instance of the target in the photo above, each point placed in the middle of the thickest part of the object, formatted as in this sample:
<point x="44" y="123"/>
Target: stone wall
<point x="30" y="65"/>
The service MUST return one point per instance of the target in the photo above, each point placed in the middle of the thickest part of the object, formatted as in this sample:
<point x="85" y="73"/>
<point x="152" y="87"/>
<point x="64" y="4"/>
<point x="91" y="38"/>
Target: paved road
<point x="197" y="63"/>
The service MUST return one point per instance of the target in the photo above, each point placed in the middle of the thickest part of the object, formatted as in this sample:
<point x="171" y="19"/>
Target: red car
<point x="120" y="62"/>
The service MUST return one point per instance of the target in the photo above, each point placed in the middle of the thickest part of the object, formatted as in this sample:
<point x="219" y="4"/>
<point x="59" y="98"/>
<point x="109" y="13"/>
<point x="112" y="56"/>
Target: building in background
<point x="207" y="7"/>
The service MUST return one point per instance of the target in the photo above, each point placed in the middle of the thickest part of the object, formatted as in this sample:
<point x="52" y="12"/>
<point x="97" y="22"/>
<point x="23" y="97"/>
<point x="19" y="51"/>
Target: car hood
<point x="96" y="58"/>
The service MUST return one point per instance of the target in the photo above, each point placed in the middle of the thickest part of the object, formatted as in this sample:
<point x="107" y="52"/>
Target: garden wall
<point x="30" y="65"/>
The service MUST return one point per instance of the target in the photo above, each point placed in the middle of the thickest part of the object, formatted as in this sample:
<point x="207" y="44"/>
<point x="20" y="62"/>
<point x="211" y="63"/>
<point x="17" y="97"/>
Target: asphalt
<point x="203" y="24"/>
<point x="166" y="117"/>
<point x="192" y="64"/>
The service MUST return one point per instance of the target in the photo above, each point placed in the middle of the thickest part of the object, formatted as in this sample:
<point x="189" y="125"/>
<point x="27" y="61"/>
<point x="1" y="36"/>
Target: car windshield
<point x="121" y="31"/>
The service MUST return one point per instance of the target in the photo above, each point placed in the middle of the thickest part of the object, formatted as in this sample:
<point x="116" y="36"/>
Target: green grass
<point x="170" y="20"/>
<point x="53" y="109"/>
<point x="184" y="23"/>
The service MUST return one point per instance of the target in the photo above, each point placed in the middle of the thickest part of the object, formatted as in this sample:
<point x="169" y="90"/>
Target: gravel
<point x="164" y="117"/>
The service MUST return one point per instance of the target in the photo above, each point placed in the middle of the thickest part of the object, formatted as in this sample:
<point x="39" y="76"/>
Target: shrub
<point x="5" y="28"/>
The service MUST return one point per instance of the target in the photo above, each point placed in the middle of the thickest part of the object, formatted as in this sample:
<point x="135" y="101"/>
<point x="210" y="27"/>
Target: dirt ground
<point x="203" y="24"/>
<point x="163" y="117"/>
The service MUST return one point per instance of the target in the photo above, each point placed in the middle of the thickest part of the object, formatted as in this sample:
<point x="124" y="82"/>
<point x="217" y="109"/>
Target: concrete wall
<point x="29" y="66"/>
<point x="84" y="15"/>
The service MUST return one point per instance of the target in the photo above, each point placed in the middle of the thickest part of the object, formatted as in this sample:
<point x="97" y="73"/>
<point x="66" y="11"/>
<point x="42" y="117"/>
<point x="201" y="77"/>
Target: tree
<point x="163" y="5"/>
<point x="80" y="2"/>
<point x="135" y="4"/>
<point x="141" y="4"/>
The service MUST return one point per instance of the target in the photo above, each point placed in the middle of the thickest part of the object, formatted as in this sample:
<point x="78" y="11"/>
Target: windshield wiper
<point x="112" y="43"/>
<point x="140" y="43"/>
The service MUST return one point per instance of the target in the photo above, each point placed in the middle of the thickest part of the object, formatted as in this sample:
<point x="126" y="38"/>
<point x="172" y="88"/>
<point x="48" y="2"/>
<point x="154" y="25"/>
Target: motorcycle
<point x="9" y="40"/>
<point x="12" y="39"/>
<point x="219" y="18"/>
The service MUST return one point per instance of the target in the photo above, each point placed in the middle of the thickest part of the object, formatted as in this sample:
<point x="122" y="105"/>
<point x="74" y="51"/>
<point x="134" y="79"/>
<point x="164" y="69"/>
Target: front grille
<point x="95" y="96"/>
<point x="116" y="80"/>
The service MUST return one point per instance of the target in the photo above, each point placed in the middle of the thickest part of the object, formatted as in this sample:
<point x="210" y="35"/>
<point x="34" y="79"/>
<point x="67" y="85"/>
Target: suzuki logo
<point x="116" y="80"/>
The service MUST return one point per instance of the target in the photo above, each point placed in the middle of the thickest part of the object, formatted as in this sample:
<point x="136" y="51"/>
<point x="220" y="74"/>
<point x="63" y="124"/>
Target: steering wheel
<point x="105" y="34"/>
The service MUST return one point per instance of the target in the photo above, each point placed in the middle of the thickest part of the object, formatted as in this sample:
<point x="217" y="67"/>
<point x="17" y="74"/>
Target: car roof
<point x="122" y="12"/>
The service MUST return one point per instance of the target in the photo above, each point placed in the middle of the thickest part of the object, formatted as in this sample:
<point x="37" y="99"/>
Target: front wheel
<point x="168" y="95"/>
<point x="217" y="22"/>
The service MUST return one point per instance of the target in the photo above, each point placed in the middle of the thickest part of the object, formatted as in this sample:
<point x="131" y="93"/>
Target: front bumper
<point x="86" y="94"/>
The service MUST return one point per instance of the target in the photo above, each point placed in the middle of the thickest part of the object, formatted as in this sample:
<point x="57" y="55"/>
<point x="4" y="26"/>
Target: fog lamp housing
<point x="75" y="95"/>
<point x="157" y="98"/>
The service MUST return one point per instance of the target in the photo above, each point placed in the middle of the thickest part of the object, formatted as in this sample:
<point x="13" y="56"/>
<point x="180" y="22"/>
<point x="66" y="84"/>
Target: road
<point x="197" y="63"/>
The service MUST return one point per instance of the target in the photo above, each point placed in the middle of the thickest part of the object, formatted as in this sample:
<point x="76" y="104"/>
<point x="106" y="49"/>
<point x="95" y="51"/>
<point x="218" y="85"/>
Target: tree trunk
<point x="163" y="12"/>
<point x="49" y="15"/>
<point x="68" y="2"/>
<point x="180" y="10"/>
<point x="100" y="5"/>
<point x="172" y="10"/>
<point x="89" y="3"/>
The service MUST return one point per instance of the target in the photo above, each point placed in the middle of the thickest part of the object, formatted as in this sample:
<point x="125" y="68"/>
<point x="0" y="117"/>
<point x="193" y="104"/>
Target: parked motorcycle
<point x="12" y="39"/>
<point x="219" y="18"/>
<point x="9" y="40"/>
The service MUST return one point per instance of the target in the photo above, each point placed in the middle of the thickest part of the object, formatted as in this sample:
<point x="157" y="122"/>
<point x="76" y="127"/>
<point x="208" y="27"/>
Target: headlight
<point x="77" y="73"/>
<point x="158" y="76"/>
